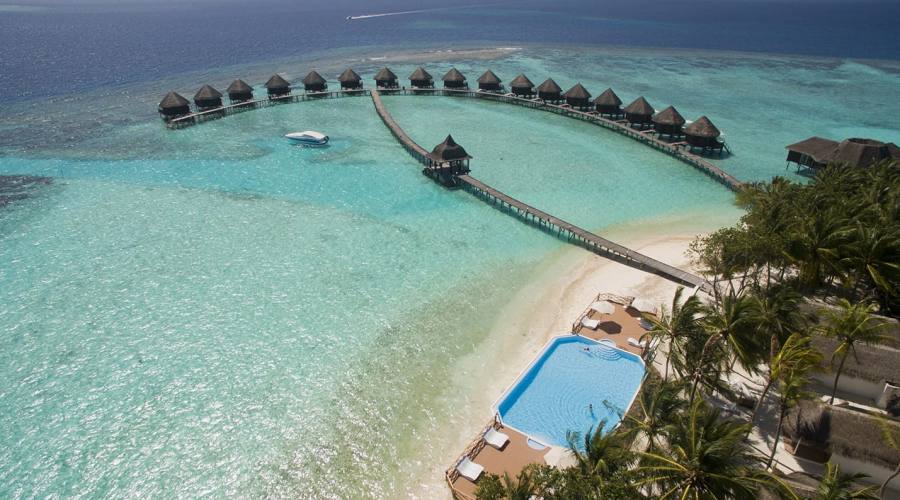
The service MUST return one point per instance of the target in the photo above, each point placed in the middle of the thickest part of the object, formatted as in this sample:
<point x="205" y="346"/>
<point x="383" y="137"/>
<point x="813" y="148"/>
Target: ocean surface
<point x="212" y="311"/>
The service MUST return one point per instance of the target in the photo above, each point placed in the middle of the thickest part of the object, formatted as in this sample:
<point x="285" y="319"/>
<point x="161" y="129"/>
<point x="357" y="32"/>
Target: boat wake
<point x="400" y="13"/>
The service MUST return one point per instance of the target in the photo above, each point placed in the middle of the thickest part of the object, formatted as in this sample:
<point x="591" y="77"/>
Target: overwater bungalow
<point x="447" y="160"/>
<point x="350" y="80"/>
<point x="639" y="113"/>
<point x="522" y="86"/>
<point x="386" y="79"/>
<point x="239" y="91"/>
<point x="314" y="82"/>
<point x="421" y="79"/>
<point x="455" y="80"/>
<point x="817" y="152"/>
<point x="701" y="133"/>
<point x="173" y="105"/>
<point x="578" y="97"/>
<point x="608" y="103"/>
<point x="207" y="98"/>
<point x="668" y="122"/>
<point x="489" y="82"/>
<point x="278" y="86"/>
<point x="549" y="91"/>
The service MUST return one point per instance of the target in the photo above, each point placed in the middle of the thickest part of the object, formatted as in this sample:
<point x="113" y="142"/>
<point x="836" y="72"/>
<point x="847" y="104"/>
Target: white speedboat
<point x="308" y="138"/>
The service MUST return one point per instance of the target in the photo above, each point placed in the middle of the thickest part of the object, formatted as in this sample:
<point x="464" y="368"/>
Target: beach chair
<point x="646" y="325"/>
<point x="637" y="343"/>
<point x="603" y="307"/>
<point x="496" y="438"/>
<point x="590" y="323"/>
<point x="469" y="469"/>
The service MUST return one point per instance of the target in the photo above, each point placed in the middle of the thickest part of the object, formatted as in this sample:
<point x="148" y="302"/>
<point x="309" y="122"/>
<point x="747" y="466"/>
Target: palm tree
<point x="891" y="437"/>
<point x="706" y="457"/>
<point x="599" y="454"/>
<point x="795" y="353"/>
<point x="796" y="361"/>
<point x="874" y="255"/>
<point x="492" y="487"/>
<point x="850" y="324"/>
<point x="671" y="325"/>
<point x="657" y="405"/>
<point x="813" y="246"/>
<point x="837" y="486"/>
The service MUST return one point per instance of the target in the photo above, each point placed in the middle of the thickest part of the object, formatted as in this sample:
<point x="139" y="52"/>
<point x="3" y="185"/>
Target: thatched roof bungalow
<point x="386" y="79"/>
<point x="578" y="97"/>
<point x="277" y="86"/>
<point x="522" y="86"/>
<point x="350" y="80"/>
<point x="702" y="133"/>
<point x="448" y="151"/>
<point x="421" y="79"/>
<point x="639" y="112"/>
<point x="608" y="103"/>
<point x="173" y="105"/>
<point x="817" y="152"/>
<point x="448" y="160"/>
<point x="489" y="81"/>
<point x="453" y="79"/>
<point x="668" y="122"/>
<point x="314" y="82"/>
<point x="207" y="98"/>
<point x="239" y="91"/>
<point x="549" y="91"/>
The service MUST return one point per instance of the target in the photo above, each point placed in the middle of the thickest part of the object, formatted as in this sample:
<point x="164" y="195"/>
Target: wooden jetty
<point x="562" y="229"/>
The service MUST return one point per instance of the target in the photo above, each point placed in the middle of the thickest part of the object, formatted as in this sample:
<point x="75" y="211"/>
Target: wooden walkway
<point x="562" y="229"/>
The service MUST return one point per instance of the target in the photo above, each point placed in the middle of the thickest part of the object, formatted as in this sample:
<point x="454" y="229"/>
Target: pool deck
<point x="624" y="322"/>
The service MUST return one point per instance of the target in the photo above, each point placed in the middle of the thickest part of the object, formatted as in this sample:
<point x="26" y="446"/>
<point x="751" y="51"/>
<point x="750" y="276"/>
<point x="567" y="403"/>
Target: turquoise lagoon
<point x="213" y="311"/>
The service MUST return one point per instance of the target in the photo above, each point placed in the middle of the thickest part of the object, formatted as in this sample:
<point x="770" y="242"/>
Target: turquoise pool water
<point x="574" y="385"/>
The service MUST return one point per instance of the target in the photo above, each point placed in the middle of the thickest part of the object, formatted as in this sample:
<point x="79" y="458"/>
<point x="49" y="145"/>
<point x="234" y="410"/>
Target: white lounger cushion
<point x="496" y="438"/>
<point x="603" y="307"/>
<point x="590" y="323"/>
<point x="637" y="343"/>
<point x="469" y="469"/>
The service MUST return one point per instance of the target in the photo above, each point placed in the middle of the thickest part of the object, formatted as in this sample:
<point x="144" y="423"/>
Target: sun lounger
<point x="496" y="438"/>
<point x="603" y="307"/>
<point x="590" y="323"/>
<point x="637" y="343"/>
<point x="469" y="469"/>
<point x="646" y="325"/>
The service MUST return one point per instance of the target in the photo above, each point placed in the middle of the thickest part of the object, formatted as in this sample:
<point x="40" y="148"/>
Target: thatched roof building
<point x="608" y="103"/>
<point x="207" y="98"/>
<point x="701" y="133"/>
<point x="386" y="79"/>
<point x="239" y="91"/>
<point x="489" y="81"/>
<point x="817" y="152"/>
<point x="453" y="79"/>
<point x="521" y="85"/>
<point x="578" y="96"/>
<point x="668" y="122"/>
<point x="873" y="363"/>
<point x="174" y="105"/>
<point x="277" y="86"/>
<point x="421" y="79"/>
<point x="639" y="112"/>
<point x="350" y="80"/>
<point x="448" y="151"/>
<point x="314" y="82"/>
<point x="549" y="91"/>
<point x="448" y="160"/>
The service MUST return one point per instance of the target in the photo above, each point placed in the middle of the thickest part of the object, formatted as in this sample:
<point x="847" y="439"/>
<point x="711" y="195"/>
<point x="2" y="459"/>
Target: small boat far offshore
<point x="308" y="138"/>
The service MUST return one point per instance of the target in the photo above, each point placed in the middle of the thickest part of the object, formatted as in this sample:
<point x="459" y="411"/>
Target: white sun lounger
<point x="603" y="307"/>
<point x="469" y="469"/>
<point x="495" y="438"/>
<point x="637" y="343"/>
<point x="590" y="323"/>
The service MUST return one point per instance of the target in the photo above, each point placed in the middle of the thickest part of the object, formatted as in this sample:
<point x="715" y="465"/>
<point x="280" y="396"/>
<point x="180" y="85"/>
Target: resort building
<point x="816" y="152"/>
<point x="489" y="81"/>
<point x="207" y="98"/>
<point x="578" y="97"/>
<point x="421" y="79"/>
<point x="447" y="160"/>
<point x="522" y="86"/>
<point x="239" y="91"/>
<point x="639" y="113"/>
<point x="278" y="86"/>
<point x="549" y="91"/>
<point x="314" y="82"/>
<point x="701" y="133"/>
<point x="455" y="80"/>
<point x="870" y="377"/>
<point x="173" y="105"/>
<point x="608" y="103"/>
<point x="350" y="80"/>
<point x="386" y="79"/>
<point x="668" y="122"/>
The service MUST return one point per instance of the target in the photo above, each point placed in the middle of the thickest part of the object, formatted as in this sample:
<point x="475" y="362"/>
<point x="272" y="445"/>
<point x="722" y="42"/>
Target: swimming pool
<point x="574" y="384"/>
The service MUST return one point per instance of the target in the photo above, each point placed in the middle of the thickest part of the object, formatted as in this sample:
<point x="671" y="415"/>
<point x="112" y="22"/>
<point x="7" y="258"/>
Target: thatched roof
<point x="313" y="78"/>
<point x="489" y="77"/>
<point x="349" y="76"/>
<point x="420" y="74"/>
<point x="669" y="116"/>
<point x="578" y="92"/>
<point x="639" y="106"/>
<point x="173" y="100"/>
<point x="864" y="152"/>
<point x="809" y="421"/>
<point x="207" y="92"/>
<point x="702" y="127"/>
<point x="239" y="87"/>
<point x="819" y="149"/>
<point x="549" y="86"/>
<point x="872" y="363"/>
<point x="521" y="82"/>
<point x="448" y="150"/>
<point x="385" y="74"/>
<point x="454" y="76"/>
<point x="608" y="98"/>
<point x="277" y="82"/>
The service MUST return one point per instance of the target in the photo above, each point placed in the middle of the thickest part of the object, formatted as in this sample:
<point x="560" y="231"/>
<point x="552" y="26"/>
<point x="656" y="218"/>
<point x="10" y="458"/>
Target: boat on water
<point x="308" y="138"/>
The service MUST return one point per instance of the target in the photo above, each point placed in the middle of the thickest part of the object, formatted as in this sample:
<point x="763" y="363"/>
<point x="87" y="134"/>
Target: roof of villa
<point x="207" y="92"/>
<point x="448" y="150"/>
<point x="420" y="74"/>
<point x="239" y="86"/>
<point x="639" y="106"/>
<point x="173" y="100"/>
<point x="349" y="76"/>
<point x="669" y="116"/>
<point x="385" y="74"/>
<point x="855" y="152"/>
<point x="578" y="92"/>
<point x="454" y="76"/>
<point x="608" y="98"/>
<point x="549" y="86"/>
<point x="313" y="78"/>
<point x="489" y="77"/>
<point x="521" y="81"/>
<point x="702" y="127"/>
<point x="277" y="82"/>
